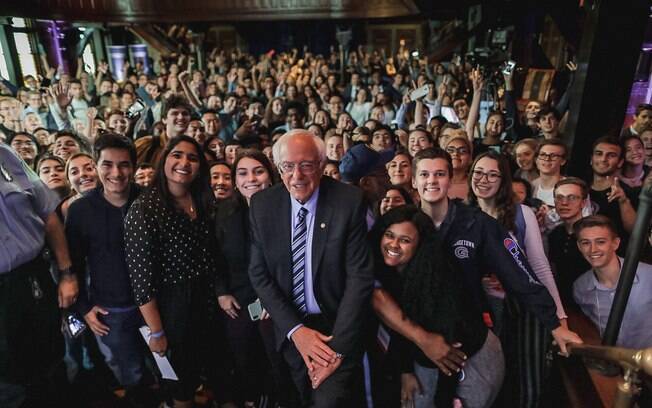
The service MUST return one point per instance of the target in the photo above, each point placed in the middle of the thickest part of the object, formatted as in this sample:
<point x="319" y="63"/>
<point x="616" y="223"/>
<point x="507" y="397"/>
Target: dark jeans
<point x="248" y="353"/>
<point x="31" y="343"/>
<point x="123" y="346"/>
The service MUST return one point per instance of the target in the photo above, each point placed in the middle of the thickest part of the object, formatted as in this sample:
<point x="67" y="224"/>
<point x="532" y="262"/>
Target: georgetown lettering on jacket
<point x="461" y="248"/>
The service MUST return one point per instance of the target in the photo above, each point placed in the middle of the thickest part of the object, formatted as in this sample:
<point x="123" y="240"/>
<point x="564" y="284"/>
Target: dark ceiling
<point x="137" y="11"/>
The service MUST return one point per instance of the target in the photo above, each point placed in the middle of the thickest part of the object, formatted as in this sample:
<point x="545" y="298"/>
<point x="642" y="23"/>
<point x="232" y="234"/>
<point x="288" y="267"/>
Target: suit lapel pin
<point x="323" y="225"/>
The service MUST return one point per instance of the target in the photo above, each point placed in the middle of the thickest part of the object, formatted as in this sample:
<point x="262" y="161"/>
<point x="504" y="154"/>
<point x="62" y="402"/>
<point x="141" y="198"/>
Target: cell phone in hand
<point x="73" y="326"/>
<point x="255" y="310"/>
<point x="419" y="92"/>
<point x="508" y="68"/>
<point x="136" y="108"/>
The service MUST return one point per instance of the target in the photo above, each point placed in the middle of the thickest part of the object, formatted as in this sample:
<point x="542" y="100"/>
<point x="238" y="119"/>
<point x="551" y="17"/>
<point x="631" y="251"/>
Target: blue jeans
<point x="428" y="378"/>
<point x="122" y="347"/>
<point x="480" y="380"/>
<point x="483" y="375"/>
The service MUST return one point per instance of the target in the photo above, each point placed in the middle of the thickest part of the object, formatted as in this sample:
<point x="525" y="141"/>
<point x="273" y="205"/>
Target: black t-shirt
<point x="612" y="211"/>
<point x="232" y="230"/>
<point x="568" y="262"/>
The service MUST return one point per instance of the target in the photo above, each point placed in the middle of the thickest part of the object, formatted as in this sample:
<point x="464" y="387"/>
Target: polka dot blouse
<point x="165" y="247"/>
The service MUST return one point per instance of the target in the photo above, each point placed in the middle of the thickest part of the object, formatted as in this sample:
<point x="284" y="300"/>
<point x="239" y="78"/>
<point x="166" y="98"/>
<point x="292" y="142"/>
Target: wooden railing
<point x="597" y="375"/>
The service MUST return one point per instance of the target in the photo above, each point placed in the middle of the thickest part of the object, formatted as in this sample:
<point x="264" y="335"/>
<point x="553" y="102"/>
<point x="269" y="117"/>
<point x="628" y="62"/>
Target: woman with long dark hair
<point x="524" y="337"/>
<point x="414" y="269"/>
<point x="247" y="340"/>
<point x="174" y="264"/>
<point x="251" y="172"/>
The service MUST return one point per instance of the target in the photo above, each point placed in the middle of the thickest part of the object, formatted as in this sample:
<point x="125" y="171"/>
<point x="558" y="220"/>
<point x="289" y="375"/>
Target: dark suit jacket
<point x="342" y="267"/>
<point x="232" y="230"/>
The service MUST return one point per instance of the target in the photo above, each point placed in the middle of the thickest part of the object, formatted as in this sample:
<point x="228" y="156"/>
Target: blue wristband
<point x="158" y="334"/>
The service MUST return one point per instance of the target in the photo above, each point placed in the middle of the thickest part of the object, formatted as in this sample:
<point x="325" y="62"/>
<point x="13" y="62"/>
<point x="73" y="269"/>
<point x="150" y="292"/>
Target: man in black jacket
<point x="94" y="229"/>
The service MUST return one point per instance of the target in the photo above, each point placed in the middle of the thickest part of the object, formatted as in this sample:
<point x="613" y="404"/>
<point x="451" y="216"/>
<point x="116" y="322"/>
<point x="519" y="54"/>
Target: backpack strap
<point x="519" y="220"/>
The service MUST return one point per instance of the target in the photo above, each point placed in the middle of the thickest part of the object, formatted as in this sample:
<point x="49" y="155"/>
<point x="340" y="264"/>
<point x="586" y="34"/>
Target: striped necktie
<point x="299" y="261"/>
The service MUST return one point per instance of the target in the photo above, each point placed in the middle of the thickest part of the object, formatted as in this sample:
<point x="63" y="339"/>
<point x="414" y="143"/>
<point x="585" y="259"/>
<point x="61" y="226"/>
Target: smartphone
<point x="255" y="310"/>
<point x="419" y="92"/>
<point x="136" y="108"/>
<point x="508" y="68"/>
<point x="74" y="326"/>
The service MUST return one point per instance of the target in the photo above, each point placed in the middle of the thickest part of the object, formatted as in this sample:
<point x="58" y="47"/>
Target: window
<point x="4" y="72"/>
<point x="25" y="55"/>
<point x="18" y="22"/>
<point x="23" y="47"/>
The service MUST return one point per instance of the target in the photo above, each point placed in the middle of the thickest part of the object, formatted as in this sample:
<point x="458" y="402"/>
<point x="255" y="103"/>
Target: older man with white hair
<point x="312" y="270"/>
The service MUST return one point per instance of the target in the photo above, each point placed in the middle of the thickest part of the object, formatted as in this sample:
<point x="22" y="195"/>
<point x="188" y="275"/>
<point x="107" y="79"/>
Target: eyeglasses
<point x="305" y="167"/>
<point x="459" y="150"/>
<point x="491" y="177"/>
<point x="571" y="198"/>
<point x="549" y="156"/>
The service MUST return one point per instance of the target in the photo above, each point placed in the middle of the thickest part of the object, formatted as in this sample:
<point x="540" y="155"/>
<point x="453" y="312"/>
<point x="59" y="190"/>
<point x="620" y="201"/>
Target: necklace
<point x="190" y="209"/>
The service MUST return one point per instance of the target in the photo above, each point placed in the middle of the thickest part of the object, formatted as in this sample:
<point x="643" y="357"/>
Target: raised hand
<point x="155" y="92"/>
<point x="232" y="76"/>
<point x="442" y="89"/>
<point x="616" y="192"/>
<point x="477" y="80"/>
<point x="183" y="76"/>
<point x="103" y="67"/>
<point x="572" y="67"/>
<point x="91" y="113"/>
<point x="61" y="95"/>
<point x="50" y="72"/>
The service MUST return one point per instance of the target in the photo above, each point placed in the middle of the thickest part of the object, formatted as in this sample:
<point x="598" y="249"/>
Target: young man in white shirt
<point x="594" y="291"/>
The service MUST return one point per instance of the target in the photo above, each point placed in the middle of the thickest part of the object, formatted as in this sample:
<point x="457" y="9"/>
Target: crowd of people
<point x="300" y="230"/>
